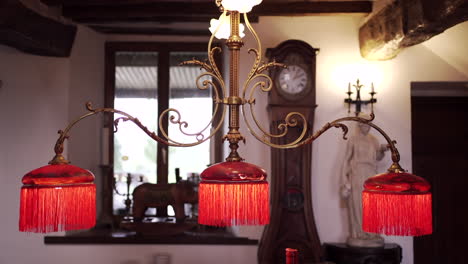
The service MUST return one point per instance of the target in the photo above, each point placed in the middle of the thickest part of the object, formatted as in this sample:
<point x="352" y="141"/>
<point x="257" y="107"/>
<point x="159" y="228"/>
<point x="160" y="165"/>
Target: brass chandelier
<point x="61" y="196"/>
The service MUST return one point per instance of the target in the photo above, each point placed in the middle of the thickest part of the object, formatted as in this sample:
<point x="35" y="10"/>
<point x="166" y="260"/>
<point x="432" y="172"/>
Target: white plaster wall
<point x="457" y="36"/>
<point x="41" y="94"/>
<point x="338" y="63"/>
<point x="33" y="106"/>
<point x="86" y="84"/>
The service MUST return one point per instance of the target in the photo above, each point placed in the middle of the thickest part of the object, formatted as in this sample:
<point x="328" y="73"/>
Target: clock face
<point x="293" y="80"/>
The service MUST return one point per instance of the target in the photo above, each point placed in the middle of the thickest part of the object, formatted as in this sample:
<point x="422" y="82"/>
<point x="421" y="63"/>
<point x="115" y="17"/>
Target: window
<point x="144" y="79"/>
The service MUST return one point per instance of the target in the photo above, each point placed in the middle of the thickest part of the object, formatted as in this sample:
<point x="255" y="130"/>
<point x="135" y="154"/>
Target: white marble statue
<point x="362" y="153"/>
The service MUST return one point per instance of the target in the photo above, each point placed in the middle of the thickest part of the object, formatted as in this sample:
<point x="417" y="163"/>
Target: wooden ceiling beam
<point x="194" y="10"/>
<point x="116" y="2"/>
<point x="155" y="19"/>
<point x="139" y="12"/>
<point x="311" y="8"/>
<point x="150" y="31"/>
<point x="407" y="23"/>
<point x="26" y="30"/>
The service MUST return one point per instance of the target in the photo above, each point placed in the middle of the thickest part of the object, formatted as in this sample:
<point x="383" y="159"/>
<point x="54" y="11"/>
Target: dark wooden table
<point x="340" y="253"/>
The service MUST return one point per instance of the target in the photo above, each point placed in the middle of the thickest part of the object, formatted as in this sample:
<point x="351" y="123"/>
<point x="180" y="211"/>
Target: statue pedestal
<point x="340" y="253"/>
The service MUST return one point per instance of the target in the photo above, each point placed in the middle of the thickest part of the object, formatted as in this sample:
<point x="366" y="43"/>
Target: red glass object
<point x="397" y="204"/>
<point x="292" y="256"/>
<point x="58" y="197"/>
<point x="233" y="193"/>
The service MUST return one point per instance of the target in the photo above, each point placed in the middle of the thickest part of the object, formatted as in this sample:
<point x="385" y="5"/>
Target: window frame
<point x="163" y="49"/>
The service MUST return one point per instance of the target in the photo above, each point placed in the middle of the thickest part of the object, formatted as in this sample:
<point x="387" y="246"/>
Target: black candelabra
<point x="358" y="102"/>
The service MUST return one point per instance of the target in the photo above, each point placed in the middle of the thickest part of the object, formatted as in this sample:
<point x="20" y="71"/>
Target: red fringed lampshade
<point x="233" y="193"/>
<point x="57" y="197"/>
<point x="397" y="204"/>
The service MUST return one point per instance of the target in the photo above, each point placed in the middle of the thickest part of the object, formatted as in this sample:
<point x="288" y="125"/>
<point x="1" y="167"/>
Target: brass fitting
<point x="233" y="100"/>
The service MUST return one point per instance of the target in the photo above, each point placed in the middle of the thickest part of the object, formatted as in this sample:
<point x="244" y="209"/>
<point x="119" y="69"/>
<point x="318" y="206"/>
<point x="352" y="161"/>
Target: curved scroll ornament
<point x="293" y="119"/>
<point x="204" y="81"/>
<point x="265" y="84"/>
<point x="395" y="167"/>
<point x="175" y="116"/>
<point x="59" y="147"/>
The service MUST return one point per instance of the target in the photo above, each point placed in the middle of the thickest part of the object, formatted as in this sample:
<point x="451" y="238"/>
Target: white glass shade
<point x="243" y="6"/>
<point x="224" y="30"/>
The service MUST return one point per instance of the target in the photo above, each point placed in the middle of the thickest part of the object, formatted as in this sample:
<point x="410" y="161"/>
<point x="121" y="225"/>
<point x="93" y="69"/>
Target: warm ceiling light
<point x="57" y="197"/>
<point x="397" y="204"/>
<point x="241" y="6"/>
<point x="221" y="27"/>
<point x="233" y="193"/>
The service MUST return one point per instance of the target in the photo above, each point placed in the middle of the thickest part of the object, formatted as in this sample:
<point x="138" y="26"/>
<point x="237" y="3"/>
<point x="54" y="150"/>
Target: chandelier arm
<point x="256" y="68"/>
<point x="196" y="62"/>
<point x="265" y="88"/>
<point x="59" y="145"/>
<point x="200" y="137"/>
<point x="213" y="71"/>
<point x="214" y="66"/>
<point x="211" y="52"/>
<point x="176" y="119"/>
<point x="272" y="64"/>
<point x="289" y="121"/>
<point x="395" y="167"/>
<point x="255" y="65"/>
<point x="257" y="52"/>
<point x="58" y="148"/>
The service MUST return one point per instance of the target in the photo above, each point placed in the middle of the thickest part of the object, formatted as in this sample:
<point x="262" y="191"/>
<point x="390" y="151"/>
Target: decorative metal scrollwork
<point x="265" y="83"/>
<point x="212" y="79"/>
<point x="206" y="80"/>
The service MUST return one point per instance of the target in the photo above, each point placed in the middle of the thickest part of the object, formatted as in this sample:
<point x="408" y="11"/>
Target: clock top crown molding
<point x="291" y="45"/>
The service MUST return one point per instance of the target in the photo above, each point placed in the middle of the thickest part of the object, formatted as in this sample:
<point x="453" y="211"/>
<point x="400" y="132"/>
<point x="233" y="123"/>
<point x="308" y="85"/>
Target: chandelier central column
<point x="234" y="44"/>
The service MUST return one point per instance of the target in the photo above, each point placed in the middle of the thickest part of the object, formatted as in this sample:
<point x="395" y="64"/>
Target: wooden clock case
<point x="292" y="221"/>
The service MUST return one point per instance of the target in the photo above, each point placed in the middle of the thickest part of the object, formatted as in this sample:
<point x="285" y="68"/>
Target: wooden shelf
<point x="125" y="237"/>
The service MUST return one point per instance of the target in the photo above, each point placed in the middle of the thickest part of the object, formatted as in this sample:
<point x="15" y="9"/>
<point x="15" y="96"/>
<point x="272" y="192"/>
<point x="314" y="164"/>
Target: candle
<point x="372" y="87"/>
<point x="292" y="256"/>
<point x="349" y="87"/>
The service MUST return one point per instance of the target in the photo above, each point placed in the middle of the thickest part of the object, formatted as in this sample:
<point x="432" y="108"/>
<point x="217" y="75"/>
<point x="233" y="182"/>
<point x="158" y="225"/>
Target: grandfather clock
<point x="292" y="223"/>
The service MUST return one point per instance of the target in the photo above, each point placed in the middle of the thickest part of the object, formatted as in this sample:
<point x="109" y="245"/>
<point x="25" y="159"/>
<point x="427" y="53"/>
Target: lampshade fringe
<point x="228" y="204"/>
<point x="46" y="209"/>
<point x="397" y="214"/>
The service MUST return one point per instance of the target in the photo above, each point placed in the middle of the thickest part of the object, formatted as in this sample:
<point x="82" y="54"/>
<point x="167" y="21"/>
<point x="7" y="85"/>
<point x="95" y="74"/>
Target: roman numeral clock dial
<point x="293" y="80"/>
